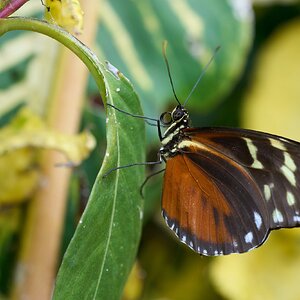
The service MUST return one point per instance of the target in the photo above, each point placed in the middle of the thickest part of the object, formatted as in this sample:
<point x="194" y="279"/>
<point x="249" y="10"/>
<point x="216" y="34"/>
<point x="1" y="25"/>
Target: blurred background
<point x="253" y="82"/>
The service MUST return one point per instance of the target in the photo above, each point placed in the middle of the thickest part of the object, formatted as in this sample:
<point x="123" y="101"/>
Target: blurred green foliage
<point x="130" y="35"/>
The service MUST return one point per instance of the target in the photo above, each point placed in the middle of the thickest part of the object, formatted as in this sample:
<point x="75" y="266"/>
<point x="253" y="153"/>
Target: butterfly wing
<point x="227" y="188"/>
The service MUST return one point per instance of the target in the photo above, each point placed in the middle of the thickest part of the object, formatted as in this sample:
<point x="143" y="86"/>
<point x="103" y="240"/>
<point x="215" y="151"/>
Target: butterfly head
<point x="176" y="121"/>
<point x="178" y="115"/>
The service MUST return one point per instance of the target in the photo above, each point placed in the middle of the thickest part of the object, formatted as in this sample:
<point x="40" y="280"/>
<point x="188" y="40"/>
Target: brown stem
<point x="11" y="7"/>
<point x="37" y="266"/>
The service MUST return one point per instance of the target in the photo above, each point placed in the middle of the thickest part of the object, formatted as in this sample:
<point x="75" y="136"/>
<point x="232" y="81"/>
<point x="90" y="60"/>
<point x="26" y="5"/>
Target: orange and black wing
<point x="227" y="188"/>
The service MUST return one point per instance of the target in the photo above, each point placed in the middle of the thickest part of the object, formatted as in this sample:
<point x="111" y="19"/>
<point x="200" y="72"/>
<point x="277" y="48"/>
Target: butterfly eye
<point x="166" y="118"/>
<point x="177" y="113"/>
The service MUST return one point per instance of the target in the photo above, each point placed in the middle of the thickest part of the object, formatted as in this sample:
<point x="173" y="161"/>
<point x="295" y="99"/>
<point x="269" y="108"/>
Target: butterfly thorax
<point x="178" y="120"/>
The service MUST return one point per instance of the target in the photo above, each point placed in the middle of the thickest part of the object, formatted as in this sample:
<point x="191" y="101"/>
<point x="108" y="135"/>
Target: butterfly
<point x="225" y="189"/>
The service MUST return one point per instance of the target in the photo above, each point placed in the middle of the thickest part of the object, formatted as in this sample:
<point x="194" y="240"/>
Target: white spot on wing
<point x="296" y="219"/>
<point x="249" y="237"/>
<point x="253" y="151"/>
<point x="289" y="175"/>
<point x="204" y="251"/>
<point x="277" y="144"/>
<point x="183" y="238"/>
<point x="290" y="198"/>
<point x="289" y="162"/>
<point x="267" y="192"/>
<point x="257" y="220"/>
<point x="277" y="216"/>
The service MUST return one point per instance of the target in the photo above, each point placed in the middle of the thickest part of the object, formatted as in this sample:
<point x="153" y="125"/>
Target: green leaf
<point x="132" y="32"/>
<point x="104" y="246"/>
<point x="103" y="249"/>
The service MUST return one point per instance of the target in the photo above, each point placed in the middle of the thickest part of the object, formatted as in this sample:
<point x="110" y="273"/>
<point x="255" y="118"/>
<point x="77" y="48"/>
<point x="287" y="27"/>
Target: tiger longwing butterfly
<point x="225" y="189"/>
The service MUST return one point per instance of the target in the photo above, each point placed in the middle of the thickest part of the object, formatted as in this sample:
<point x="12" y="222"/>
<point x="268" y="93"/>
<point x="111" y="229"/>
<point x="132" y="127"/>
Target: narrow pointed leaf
<point x="102" y="251"/>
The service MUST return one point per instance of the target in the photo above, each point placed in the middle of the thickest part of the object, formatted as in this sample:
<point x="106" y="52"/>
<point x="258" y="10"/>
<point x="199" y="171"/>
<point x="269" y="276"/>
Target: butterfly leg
<point x="146" y="180"/>
<point x="135" y="164"/>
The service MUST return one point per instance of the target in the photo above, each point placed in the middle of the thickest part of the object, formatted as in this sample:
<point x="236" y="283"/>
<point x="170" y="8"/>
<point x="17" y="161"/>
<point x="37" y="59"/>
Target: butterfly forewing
<point x="228" y="187"/>
<point x="273" y="163"/>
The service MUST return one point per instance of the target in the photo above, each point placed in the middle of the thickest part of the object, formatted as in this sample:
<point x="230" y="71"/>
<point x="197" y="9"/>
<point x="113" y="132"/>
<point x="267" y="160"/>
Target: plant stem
<point x="37" y="265"/>
<point x="65" y="38"/>
<point x="10" y="7"/>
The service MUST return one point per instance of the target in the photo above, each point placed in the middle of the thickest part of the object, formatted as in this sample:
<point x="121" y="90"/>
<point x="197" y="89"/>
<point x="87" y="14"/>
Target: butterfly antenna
<point x="164" y="51"/>
<point x="201" y="75"/>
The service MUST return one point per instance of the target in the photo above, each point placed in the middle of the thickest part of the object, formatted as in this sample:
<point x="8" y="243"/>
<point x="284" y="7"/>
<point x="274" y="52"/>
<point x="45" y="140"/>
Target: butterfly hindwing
<point x="209" y="210"/>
